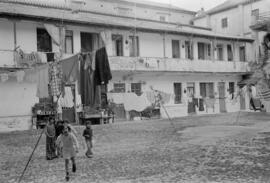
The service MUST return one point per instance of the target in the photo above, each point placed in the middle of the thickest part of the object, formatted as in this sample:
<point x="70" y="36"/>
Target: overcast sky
<point x="193" y="5"/>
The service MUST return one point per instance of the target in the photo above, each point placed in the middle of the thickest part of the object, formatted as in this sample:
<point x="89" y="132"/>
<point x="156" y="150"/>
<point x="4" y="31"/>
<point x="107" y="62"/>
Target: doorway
<point x="89" y="41"/>
<point x="191" y="101"/>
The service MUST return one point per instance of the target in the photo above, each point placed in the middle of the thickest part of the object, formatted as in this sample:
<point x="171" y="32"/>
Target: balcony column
<point x="212" y="50"/>
<point x="195" y="50"/>
<point x="197" y="90"/>
<point x="164" y="45"/>
<point x="225" y="52"/>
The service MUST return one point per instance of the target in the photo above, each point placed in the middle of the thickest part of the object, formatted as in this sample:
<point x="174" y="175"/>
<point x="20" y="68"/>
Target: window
<point x="69" y="42"/>
<point x="207" y="90"/>
<point x="224" y="22"/>
<point x="220" y="52"/>
<point x="162" y="18"/>
<point x="175" y="48"/>
<point x="134" y="46"/>
<point x="255" y="13"/>
<point x="117" y="45"/>
<point x="229" y="52"/>
<point x="231" y="89"/>
<point x="136" y="88"/>
<point x="119" y="87"/>
<point x="189" y="50"/>
<point x="44" y="41"/>
<point x="178" y="93"/>
<point x="204" y="51"/>
<point x="201" y="53"/>
<point x="242" y="53"/>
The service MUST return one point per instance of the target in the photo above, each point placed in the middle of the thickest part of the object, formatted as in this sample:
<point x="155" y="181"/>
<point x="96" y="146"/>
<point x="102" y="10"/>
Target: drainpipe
<point x="164" y="45"/>
<point x="15" y="40"/>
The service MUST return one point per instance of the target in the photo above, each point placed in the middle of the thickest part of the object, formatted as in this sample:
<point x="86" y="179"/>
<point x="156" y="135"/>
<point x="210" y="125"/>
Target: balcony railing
<point x="10" y="58"/>
<point x="176" y="65"/>
<point x="260" y="21"/>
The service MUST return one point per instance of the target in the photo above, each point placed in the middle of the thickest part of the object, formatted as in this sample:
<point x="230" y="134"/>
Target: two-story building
<point x="235" y="17"/>
<point x="150" y="47"/>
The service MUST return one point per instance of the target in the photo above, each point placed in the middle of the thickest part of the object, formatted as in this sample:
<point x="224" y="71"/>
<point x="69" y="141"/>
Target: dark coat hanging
<point x="102" y="71"/>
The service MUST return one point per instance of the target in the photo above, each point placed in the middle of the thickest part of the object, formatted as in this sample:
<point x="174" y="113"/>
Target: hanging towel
<point x="68" y="99"/>
<point x="42" y="56"/>
<point x="102" y="71"/>
<point x="54" y="33"/>
<point x="43" y="81"/>
<point x="70" y="68"/>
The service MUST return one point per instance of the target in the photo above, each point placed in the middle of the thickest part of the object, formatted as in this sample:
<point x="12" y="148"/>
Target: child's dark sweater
<point x="88" y="133"/>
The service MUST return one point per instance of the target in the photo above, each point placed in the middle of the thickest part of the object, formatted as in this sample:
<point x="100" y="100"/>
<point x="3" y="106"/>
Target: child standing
<point x="70" y="148"/>
<point x="58" y="131"/>
<point x="50" y="139"/>
<point x="88" y="134"/>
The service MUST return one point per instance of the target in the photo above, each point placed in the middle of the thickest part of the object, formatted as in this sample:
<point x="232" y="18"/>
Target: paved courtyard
<point x="216" y="148"/>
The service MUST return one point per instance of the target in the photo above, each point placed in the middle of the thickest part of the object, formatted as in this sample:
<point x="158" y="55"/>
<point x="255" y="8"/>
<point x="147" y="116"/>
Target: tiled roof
<point x="155" y="4"/>
<point x="91" y="18"/>
<point x="226" y="5"/>
<point x="61" y="4"/>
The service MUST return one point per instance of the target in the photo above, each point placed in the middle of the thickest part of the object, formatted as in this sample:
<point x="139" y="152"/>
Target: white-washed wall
<point x="17" y="100"/>
<point x="164" y="82"/>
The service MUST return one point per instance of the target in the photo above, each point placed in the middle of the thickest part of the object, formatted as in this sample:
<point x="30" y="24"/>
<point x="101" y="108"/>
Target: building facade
<point x="145" y="54"/>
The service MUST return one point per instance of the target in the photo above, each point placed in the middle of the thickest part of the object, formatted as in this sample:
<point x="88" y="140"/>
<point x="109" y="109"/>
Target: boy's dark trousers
<point x="89" y="147"/>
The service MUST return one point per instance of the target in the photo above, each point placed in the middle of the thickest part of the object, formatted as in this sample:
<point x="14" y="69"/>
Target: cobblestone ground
<point x="217" y="148"/>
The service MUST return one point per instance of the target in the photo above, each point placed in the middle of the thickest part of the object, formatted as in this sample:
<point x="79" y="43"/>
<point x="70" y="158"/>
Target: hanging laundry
<point x="27" y="59"/>
<point x="87" y="84"/>
<point x="55" y="79"/>
<point x="102" y="69"/>
<point x="42" y="56"/>
<point x="43" y="81"/>
<point x="20" y="76"/>
<point x="135" y="102"/>
<point x="70" y="68"/>
<point x="4" y="77"/>
<point x="55" y="33"/>
<point x="31" y="75"/>
<point x="68" y="99"/>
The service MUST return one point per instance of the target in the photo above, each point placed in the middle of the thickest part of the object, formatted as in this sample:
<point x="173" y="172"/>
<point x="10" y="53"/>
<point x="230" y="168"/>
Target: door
<point x="222" y="102"/>
<point x="190" y="95"/>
